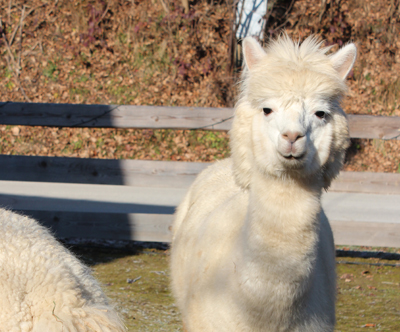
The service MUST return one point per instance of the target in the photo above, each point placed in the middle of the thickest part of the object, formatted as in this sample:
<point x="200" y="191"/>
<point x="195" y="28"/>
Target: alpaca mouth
<point x="291" y="157"/>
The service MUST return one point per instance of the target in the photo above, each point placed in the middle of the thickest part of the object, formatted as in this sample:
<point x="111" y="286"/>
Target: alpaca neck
<point x="276" y="252"/>
<point x="282" y="219"/>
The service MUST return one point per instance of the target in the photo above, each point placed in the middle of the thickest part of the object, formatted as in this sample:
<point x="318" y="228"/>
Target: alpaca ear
<point x="343" y="60"/>
<point x="252" y="52"/>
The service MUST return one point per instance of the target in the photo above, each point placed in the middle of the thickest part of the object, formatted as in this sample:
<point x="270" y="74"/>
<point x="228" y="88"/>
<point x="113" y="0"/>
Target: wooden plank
<point x="157" y="228"/>
<point x="115" y="116"/>
<point x="150" y="173"/>
<point x="109" y="226"/>
<point x="113" y="198"/>
<point x="367" y="182"/>
<point x="131" y="116"/>
<point x="359" y="207"/>
<point x="371" y="126"/>
<point x="366" y="233"/>
<point x="124" y="199"/>
<point x="18" y="195"/>
<point x="139" y="173"/>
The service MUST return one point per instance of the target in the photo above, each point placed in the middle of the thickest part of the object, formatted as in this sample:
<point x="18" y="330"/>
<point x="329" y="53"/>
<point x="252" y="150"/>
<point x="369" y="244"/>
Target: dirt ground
<point x="138" y="284"/>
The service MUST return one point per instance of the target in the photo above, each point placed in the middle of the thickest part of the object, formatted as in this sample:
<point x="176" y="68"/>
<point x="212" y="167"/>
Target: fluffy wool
<point x="43" y="287"/>
<point x="252" y="248"/>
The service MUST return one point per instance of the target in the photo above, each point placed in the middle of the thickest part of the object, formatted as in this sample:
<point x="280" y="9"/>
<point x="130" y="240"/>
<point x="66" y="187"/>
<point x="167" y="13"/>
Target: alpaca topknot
<point x="301" y="68"/>
<point x="296" y="51"/>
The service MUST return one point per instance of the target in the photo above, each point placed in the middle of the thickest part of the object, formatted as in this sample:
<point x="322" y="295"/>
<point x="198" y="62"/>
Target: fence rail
<point x="135" y="199"/>
<point x="162" y="117"/>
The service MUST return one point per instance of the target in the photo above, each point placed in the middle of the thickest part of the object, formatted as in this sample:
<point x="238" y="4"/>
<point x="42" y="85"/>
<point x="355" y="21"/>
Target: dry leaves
<point x="136" y="52"/>
<point x="347" y="277"/>
<point x="119" y="53"/>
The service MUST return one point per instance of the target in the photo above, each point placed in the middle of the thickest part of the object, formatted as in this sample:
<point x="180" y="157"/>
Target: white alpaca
<point x="43" y="287"/>
<point x="252" y="248"/>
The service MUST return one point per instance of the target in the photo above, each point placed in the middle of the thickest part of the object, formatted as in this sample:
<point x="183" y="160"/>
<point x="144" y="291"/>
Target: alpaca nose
<point x="292" y="136"/>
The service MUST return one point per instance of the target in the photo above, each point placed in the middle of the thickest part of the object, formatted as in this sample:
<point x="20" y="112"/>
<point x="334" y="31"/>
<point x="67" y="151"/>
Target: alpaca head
<point x="288" y="121"/>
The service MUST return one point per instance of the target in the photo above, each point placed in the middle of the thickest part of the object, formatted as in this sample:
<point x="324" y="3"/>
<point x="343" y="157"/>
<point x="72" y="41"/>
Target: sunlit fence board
<point x="366" y="233"/>
<point x="115" y="116"/>
<point x="132" y="116"/>
<point x="367" y="182"/>
<point x="370" y="126"/>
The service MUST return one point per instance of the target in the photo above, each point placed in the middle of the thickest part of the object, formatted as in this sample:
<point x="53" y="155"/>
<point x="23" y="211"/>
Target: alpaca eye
<point x="267" y="111"/>
<point x="320" y="114"/>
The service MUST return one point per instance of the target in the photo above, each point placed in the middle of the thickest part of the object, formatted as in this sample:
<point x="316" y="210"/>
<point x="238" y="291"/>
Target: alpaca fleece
<point x="252" y="248"/>
<point x="43" y="287"/>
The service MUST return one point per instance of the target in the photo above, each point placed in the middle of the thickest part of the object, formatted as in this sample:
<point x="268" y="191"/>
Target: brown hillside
<point x="152" y="52"/>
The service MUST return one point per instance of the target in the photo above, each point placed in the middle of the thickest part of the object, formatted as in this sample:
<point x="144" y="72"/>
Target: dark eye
<point x="267" y="111"/>
<point x="320" y="114"/>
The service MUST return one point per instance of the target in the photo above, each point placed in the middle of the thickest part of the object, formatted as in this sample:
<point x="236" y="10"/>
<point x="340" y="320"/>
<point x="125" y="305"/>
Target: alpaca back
<point x="43" y="286"/>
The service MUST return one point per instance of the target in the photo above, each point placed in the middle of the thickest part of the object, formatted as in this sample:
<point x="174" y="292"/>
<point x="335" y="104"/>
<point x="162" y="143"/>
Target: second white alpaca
<point x="252" y="248"/>
<point x="43" y="287"/>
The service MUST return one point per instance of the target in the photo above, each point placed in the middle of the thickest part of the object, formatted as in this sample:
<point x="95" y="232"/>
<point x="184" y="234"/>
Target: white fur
<point x="43" y="287"/>
<point x="252" y="249"/>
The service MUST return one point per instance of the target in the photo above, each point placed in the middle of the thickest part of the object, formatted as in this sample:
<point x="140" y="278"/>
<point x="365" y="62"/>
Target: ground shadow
<point x="93" y="254"/>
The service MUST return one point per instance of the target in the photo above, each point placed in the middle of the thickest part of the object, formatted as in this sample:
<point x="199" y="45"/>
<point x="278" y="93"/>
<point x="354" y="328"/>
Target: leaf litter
<point x="155" y="53"/>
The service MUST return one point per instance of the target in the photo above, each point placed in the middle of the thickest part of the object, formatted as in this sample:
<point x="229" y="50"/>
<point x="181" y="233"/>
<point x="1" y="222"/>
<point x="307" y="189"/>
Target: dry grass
<point x="368" y="295"/>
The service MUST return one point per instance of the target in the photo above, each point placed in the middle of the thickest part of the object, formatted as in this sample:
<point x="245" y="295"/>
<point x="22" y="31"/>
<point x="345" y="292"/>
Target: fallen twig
<point x="23" y="17"/>
<point x="102" y="16"/>
<point x="285" y="15"/>
<point x="164" y="6"/>
<point x="9" y="11"/>
<point x="131" y="281"/>
<point x="20" y="42"/>
<point x="7" y="44"/>
<point x="23" y="92"/>
<point x="13" y="68"/>
<point x="32" y="49"/>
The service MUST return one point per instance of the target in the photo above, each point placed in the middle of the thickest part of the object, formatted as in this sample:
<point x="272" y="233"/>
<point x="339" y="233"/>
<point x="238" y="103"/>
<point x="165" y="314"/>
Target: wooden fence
<point x="135" y="199"/>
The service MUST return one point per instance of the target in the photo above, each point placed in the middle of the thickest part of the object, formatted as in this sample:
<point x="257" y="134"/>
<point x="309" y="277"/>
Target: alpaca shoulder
<point x="205" y="229"/>
<point x="211" y="187"/>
